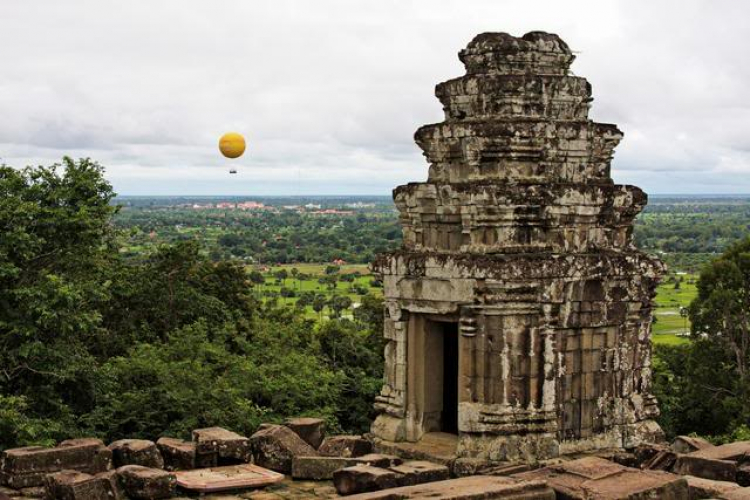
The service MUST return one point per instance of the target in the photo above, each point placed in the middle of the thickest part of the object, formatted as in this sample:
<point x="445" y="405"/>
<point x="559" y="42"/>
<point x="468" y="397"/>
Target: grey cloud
<point x="330" y="92"/>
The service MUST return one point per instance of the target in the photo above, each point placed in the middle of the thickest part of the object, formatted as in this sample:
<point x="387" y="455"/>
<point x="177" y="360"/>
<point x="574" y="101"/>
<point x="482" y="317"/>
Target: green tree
<point x="339" y="303"/>
<point x="295" y="275"/>
<point x="256" y="278"/>
<point x="721" y="314"/>
<point x="356" y="354"/>
<point x="331" y="269"/>
<point x="319" y="304"/>
<point x="306" y="298"/>
<point x="281" y="275"/>
<point x="703" y="386"/>
<point x="94" y="342"/>
<point x="56" y="254"/>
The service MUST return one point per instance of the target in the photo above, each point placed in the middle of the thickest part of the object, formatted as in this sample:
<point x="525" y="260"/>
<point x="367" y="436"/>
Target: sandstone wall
<point x="520" y="237"/>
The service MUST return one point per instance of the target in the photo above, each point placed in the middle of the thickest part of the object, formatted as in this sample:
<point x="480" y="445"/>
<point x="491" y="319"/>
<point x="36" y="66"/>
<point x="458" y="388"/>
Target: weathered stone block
<point x="364" y="478"/>
<point x="707" y="468"/>
<point x="689" y="444"/>
<point x="9" y="493"/>
<point x="33" y="492"/>
<point x="136" y="452"/>
<point x="73" y="485"/>
<point x="624" y="458"/>
<point x="743" y="474"/>
<point x="275" y="447"/>
<point x="345" y="446"/>
<point x="111" y="482"/>
<point x="463" y="467"/>
<point x="645" y="452"/>
<point x="419" y="471"/>
<point x="26" y="467"/>
<point x="319" y="468"/>
<point x="467" y="488"/>
<point x="708" y="488"/>
<point x="379" y="460"/>
<point x="146" y="483"/>
<point x="594" y="477"/>
<point x="177" y="454"/>
<point x="664" y="460"/>
<point x="738" y="494"/>
<point x="311" y="430"/>
<point x="508" y="469"/>
<point x="738" y="451"/>
<point x="215" y="446"/>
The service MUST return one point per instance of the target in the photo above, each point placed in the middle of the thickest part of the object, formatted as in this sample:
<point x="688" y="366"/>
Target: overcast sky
<point x="329" y="93"/>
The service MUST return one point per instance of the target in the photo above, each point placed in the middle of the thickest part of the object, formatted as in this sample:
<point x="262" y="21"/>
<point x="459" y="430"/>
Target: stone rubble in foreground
<point x="84" y="469"/>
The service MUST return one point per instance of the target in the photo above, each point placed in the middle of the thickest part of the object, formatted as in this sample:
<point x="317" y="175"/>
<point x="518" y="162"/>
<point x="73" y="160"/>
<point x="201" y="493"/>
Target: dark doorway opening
<point x="449" y="417"/>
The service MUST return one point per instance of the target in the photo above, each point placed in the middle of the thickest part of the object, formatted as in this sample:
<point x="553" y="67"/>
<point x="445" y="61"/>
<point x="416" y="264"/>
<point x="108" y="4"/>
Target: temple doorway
<point x="449" y="414"/>
<point x="433" y="371"/>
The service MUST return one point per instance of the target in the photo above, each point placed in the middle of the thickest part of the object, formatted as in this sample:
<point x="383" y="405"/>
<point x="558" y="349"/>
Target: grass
<point x="311" y="284"/>
<point x="669" y="323"/>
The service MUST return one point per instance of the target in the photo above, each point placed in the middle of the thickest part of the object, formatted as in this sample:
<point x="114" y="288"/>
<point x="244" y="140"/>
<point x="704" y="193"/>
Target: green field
<point x="271" y="289"/>
<point x="669" y="324"/>
<point x="667" y="329"/>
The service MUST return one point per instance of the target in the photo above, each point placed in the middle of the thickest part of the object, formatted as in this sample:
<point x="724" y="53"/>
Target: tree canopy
<point x="94" y="343"/>
<point x="703" y="386"/>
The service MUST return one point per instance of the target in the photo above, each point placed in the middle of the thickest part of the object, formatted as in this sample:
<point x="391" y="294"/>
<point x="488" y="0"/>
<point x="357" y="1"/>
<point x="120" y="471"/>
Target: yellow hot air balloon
<point x="232" y="145"/>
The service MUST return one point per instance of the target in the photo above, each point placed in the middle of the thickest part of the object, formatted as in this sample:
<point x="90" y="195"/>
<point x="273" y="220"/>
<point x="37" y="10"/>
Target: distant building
<point x="251" y="205"/>
<point x="332" y="211"/>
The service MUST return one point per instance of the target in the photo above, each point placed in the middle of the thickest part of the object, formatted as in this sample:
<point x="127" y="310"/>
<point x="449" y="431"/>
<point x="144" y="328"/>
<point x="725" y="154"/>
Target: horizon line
<point x="321" y="195"/>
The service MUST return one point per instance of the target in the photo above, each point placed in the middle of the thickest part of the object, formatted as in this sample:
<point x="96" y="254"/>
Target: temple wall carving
<point x="519" y="245"/>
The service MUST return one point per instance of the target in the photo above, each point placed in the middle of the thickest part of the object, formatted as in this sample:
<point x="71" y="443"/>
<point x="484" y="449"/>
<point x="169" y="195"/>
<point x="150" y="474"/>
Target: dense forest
<point x="95" y="343"/>
<point x="149" y="317"/>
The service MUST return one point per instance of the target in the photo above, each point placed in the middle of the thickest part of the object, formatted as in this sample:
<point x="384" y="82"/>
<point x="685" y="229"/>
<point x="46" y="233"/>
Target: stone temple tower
<point x="518" y="310"/>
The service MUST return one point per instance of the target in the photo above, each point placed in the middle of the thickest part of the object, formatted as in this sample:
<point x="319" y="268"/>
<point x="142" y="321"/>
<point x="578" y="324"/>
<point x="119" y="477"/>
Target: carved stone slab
<point x="233" y="477"/>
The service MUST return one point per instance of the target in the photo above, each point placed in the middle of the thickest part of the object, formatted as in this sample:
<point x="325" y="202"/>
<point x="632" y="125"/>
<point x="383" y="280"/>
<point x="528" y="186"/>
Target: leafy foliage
<point x="703" y="386"/>
<point x="92" y="342"/>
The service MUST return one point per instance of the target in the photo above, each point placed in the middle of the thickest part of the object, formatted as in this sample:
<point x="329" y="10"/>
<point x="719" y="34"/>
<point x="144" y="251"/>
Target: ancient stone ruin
<point x="518" y="310"/>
